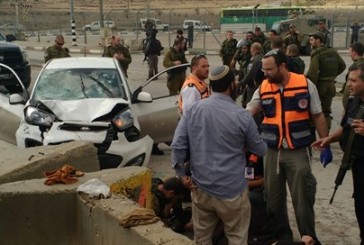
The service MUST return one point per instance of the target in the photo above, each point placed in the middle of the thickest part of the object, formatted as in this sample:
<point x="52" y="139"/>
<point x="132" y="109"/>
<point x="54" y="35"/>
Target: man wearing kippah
<point x="215" y="131"/>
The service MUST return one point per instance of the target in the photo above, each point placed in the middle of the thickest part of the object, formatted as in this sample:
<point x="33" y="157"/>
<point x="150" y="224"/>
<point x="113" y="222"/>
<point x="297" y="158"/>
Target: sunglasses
<point x="197" y="58"/>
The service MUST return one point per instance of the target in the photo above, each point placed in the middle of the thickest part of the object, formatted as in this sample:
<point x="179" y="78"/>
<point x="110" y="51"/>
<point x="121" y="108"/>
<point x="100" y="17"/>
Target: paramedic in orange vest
<point x="288" y="101"/>
<point x="194" y="88"/>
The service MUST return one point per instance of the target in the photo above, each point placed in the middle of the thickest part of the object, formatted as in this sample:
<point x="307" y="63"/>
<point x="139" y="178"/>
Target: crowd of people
<point x="234" y="162"/>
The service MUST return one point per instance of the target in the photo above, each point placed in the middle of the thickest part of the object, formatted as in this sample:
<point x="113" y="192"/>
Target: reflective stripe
<point x="302" y="134"/>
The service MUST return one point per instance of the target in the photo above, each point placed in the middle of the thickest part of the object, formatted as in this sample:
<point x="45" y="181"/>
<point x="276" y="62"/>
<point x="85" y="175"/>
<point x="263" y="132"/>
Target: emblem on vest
<point x="303" y="103"/>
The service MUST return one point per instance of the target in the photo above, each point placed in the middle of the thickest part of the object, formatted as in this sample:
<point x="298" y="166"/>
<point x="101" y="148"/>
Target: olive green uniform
<point x="243" y="59"/>
<point x="227" y="51"/>
<point x="345" y="90"/>
<point x="326" y="64"/>
<point x="124" y="63"/>
<point x="177" y="76"/>
<point x="54" y="52"/>
<point x="291" y="38"/>
<point x="267" y="46"/>
<point x="326" y="34"/>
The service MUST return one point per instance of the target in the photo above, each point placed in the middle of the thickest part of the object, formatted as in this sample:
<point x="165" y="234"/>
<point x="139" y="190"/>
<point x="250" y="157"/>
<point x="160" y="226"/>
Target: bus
<point x="245" y="19"/>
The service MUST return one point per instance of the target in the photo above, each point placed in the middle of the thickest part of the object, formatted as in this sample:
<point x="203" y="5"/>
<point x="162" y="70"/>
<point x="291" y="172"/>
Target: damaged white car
<point x="89" y="98"/>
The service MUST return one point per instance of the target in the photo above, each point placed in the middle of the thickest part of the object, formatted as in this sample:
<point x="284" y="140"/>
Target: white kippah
<point x="219" y="73"/>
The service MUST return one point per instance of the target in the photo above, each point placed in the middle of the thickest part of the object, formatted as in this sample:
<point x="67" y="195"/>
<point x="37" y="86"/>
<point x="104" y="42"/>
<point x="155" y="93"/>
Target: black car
<point x="14" y="57"/>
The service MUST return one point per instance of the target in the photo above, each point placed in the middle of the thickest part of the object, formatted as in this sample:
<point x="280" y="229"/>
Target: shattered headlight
<point x="123" y="120"/>
<point x="36" y="116"/>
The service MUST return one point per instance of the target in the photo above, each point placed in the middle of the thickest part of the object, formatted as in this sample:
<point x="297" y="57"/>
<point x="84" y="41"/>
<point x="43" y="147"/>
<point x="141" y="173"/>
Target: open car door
<point x="159" y="118"/>
<point x="11" y="109"/>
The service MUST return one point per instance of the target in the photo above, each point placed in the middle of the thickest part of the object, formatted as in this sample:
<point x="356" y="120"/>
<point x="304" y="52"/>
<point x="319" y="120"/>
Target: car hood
<point x="83" y="110"/>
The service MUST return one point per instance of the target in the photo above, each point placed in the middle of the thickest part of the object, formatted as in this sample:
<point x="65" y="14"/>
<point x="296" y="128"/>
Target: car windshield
<point x="2" y="38"/>
<point x="77" y="84"/>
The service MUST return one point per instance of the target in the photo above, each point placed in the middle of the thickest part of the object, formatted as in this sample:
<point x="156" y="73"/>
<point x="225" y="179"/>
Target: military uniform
<point x="326" y="64"/>
<point x="176" y="77"/>
<point x="227" y="51"/>
<point x="267" y="46"/>
<point x="291" y="38"/>
<point x="243" y="59"/>
<point x="124" y="63"/>
<point x="358" y="156"/>
<point x="345" y="90"/>
<point x="54" y="52"/>
<point x="326" y="34"/>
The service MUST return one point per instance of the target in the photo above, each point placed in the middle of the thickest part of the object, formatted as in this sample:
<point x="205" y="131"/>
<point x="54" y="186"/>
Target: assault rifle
<point x="346" y="164"/>
<point x="348" y="158"/>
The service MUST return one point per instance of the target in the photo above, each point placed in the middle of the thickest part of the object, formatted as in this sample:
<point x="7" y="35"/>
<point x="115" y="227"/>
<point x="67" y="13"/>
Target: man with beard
<point x="195" y="87"/>
<point x="215" y="130"/>
<point x="288" y="101"/>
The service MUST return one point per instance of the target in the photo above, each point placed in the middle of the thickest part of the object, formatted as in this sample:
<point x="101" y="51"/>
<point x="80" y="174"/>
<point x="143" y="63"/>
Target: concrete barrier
<point x="23" y="164"/>
<point x="33" y="213"/>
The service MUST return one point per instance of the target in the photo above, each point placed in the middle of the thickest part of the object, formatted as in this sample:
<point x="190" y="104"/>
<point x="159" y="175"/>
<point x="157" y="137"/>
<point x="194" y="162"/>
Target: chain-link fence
<point x="128" y="23"/>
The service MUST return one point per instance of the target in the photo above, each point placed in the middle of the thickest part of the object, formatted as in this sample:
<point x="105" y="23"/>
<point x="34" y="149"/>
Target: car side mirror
<point x="15" y="99"/>
<point x="144" y="97"/>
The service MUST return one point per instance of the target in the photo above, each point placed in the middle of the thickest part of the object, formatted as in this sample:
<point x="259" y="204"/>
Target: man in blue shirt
<point x="215" y="131"/>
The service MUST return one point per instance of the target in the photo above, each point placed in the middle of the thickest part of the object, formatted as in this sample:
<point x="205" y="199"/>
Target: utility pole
<point x="101" y="15"/>
<point x="73" y="24"/>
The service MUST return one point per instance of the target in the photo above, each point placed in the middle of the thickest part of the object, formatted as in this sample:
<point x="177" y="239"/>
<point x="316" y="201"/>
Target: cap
<point x="318" y="35"/>
<point x="221" y="74"/>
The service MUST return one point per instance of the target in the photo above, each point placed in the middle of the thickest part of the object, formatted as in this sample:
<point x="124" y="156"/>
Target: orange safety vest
<point x="200" y="85"/>
<point x="286" y="113"/>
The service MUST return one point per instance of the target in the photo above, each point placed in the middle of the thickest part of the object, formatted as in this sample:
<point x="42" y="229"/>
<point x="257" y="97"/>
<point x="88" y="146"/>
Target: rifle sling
<point x="347" y="151"/>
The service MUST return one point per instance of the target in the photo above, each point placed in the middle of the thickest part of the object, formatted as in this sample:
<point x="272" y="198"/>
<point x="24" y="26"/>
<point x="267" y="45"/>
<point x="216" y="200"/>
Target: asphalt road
<point x="161" y="167"/>
<point x="138" y="72"/>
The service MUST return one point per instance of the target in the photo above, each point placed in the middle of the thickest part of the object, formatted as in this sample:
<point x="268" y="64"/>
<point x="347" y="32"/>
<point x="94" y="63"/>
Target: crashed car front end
<point x="88" y="105"/>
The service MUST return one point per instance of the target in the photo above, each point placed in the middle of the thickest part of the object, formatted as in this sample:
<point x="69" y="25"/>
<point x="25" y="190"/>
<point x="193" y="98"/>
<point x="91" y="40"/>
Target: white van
<point x="197" y="25"/>
<point x="95" y="25"/>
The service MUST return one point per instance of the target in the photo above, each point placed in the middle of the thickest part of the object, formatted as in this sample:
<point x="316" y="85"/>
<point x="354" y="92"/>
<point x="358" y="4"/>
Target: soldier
<point x="190" y="36"/>
<point x="175" y="56"/>
<point x="119" y="52"/>
<point x="242" y="56"/>
<point x="298" y="64"/>
<point x="152" y="51"/>
<point x="228" y="48"/>
<point x="292" y="37"/>
<point x="356" y="54"/>
<point x="326" y="64"/>
<point x="355" y="32"/>
<point x="184" y="40"/>
<point x="326" y="33"/>
<point x="254" y="75"/>
<point x="57" y="50"/>
<point x="259" y="36"/>
<point x="267" y="44"/>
